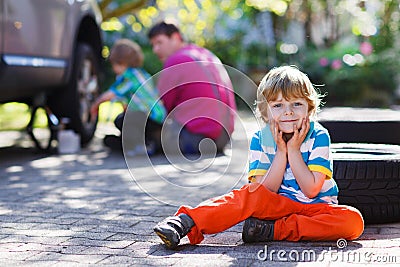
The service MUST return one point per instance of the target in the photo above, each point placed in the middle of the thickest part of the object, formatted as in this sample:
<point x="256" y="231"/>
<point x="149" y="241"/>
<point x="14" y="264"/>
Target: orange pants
<point x="293" y="220"/>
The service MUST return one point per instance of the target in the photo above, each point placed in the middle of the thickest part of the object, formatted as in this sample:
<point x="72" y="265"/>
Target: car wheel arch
<point x="87" y="32"/>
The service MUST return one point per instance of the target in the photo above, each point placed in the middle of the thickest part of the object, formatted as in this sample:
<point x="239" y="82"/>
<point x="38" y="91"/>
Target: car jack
<point x="53" y="124"/>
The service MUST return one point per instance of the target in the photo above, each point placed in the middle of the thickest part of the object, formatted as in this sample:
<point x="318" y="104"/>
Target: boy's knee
<point x="257" y="189"/>
<point x="252" y="187"/>
<point x="355" y="224"/>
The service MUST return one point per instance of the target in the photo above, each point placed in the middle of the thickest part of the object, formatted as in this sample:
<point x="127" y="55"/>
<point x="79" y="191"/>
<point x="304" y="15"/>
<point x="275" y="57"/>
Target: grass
<point x="16" y="116"/>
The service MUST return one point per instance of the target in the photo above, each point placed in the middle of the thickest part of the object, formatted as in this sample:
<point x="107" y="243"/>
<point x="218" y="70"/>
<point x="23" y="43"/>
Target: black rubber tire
<point x="375" y="132"/>
<point x="362" y="125"/>
<point x="368" y="177"/>
<point x="75" y="99"/>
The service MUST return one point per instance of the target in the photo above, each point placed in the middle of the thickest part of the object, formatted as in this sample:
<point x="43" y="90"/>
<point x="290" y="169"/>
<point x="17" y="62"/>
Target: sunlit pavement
<point x="87" y="208"/>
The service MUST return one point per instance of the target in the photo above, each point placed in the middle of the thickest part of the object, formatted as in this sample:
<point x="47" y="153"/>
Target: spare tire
<point x="362" y="125"/>
<point x="368" y="177"/>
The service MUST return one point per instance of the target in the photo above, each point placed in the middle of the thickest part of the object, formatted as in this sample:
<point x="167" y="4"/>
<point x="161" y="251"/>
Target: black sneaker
<point x="256" y="230"/>
<point x="172" y="229"/>
<point x="114" y="142"/>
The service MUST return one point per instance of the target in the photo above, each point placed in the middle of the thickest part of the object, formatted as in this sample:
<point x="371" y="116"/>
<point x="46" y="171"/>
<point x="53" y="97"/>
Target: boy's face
<point x="164" y="46"/>
<point x="288" y="113"/>
<point x="119" y="68"/>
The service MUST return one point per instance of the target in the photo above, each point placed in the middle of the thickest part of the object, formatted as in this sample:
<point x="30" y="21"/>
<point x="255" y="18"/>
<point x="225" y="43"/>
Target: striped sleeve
<point x="320" y="159"/>
<point x="127" y="84"/>
<point x="259" y="162"/>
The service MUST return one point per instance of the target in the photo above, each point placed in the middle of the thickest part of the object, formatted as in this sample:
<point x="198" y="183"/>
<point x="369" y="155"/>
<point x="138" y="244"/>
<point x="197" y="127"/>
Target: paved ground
<point x="90" y="208"/>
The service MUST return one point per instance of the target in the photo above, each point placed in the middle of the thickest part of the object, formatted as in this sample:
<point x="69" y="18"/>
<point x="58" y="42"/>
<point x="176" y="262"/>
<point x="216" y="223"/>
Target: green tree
<point x="117" y="8"/>
<point x="332" y="31"/>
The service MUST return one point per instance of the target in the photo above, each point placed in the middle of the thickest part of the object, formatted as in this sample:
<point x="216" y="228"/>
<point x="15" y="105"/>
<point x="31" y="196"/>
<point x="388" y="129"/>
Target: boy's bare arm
<point x="310" y="182"/>
<point x="272" y="180"/>
<point x="106" y="96"/>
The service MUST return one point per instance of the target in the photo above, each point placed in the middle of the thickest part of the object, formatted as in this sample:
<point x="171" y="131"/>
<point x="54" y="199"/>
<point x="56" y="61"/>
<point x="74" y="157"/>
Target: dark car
<point x="50" y="56"/>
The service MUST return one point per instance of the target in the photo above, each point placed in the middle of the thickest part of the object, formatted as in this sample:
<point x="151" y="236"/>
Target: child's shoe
<point x="172" y="229"/>
<point x="256" y="230"/>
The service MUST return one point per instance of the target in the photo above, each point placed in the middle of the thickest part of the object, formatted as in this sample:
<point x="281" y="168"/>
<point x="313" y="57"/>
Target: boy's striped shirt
<point x="135" y="87"/>
<point x="315" y="151"/>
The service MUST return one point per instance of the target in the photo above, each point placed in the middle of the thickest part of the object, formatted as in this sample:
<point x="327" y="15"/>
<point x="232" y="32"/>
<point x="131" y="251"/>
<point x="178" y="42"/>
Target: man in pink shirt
<point x="196" y="91"/>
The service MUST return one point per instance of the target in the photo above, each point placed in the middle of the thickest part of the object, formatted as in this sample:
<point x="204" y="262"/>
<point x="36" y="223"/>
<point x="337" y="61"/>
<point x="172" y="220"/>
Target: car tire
<point x="376" y="132"/>
<point x="368" y="177"/>
<point x="74" y="100"/>
<point x="362" y="125"/>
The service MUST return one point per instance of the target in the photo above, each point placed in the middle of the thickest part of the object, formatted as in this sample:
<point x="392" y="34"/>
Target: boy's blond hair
<point x="126" y="51"/>
<point x="292" y="83"/>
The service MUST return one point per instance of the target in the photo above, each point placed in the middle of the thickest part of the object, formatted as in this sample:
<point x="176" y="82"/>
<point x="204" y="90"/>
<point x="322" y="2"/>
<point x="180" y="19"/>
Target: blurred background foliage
<point x="349" y="47"/>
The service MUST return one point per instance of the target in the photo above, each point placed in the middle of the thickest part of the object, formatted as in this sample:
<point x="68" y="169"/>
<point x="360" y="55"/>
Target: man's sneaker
<point x="172" y="229"/>
<point x="256" y="230"/>
<point x="114" y="142"/>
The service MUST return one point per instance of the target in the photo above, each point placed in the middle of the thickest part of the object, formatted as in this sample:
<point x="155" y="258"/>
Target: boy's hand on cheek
<point x="299" y="135"/>
<point x="278" y="136"/>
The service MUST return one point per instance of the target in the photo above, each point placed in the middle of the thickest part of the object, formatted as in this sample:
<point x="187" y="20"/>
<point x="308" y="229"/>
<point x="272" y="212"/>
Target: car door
<point x="35" y="45"/>
<point x="35" y="27"/>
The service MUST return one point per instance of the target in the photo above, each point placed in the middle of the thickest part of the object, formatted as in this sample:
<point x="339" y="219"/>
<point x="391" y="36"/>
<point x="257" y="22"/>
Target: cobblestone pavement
<point x="85" y="209"/>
